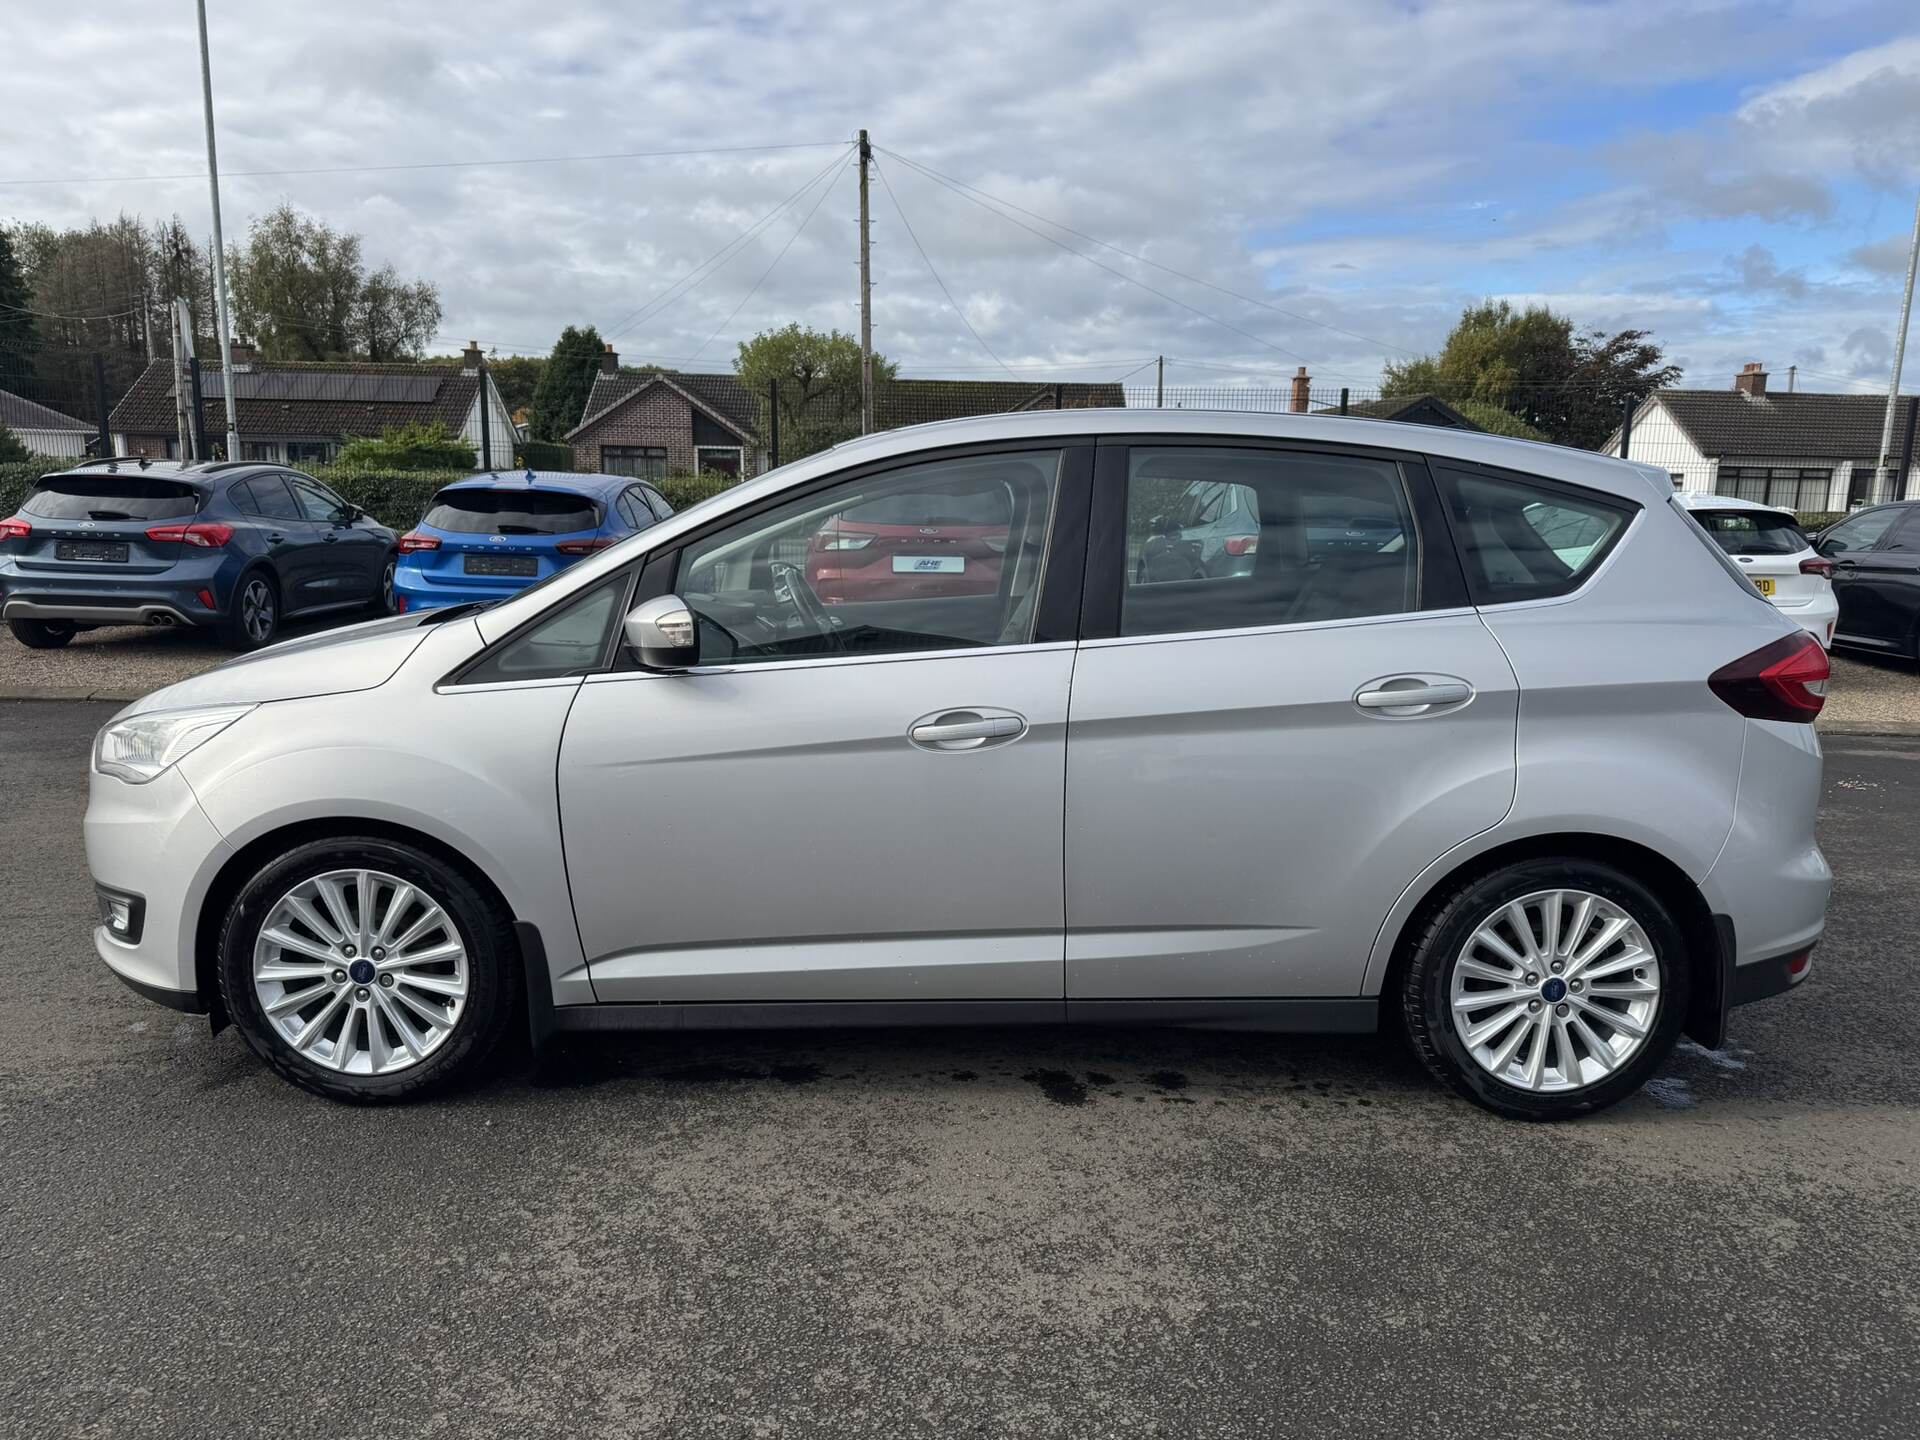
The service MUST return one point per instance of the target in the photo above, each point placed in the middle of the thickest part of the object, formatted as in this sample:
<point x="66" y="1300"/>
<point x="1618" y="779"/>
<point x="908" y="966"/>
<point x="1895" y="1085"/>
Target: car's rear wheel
<point x="43" y="634"/>
<point x="253" y="619"/>
<point x="1547" y="989"/>
<point x="383" y="597"/>
<point x="367" y="970"/>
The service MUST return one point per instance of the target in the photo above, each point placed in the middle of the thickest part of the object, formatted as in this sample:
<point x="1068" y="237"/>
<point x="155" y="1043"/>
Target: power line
<point x="1100" y="264"/>
<point x="825" y="191"/>
<point x="928" y="259"/>
<point x="49" y="315"/>
<point x="665" y="296"/>
<point x="1168" y="269"/>
<point x="425" y="165"/>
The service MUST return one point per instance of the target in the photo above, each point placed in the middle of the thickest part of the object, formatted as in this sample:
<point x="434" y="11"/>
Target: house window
<point x="311" y="452"/>
<point x="645" y="462"/>
<point x="1785" y="488"/>
<point x="719" y="460"/>
<point x="260" y="450"/>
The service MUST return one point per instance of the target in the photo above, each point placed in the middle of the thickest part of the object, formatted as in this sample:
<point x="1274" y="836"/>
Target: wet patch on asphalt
<point x="1058" y="1086"/>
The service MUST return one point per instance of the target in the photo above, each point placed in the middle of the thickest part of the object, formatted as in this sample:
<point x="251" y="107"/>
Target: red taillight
<point x="581" y="547"/>
<point x="208" y="534"/>
<point x="413" y="542"/>
<point x="1817" y="565"/>
<point x="1786" y="680"/>
<point x="1242" y="544"/>
<point x="14" y="528"/>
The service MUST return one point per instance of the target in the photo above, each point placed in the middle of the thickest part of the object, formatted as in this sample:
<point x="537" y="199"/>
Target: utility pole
<point x="1159" y="381"/>
<point x="1899" y="355"/>
<point x="219" y="245"/>
<point x="866" y="293"/>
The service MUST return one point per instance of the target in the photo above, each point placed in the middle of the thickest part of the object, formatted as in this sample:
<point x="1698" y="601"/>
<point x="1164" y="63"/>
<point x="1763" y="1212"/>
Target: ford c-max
<point x="1523" y="767"/>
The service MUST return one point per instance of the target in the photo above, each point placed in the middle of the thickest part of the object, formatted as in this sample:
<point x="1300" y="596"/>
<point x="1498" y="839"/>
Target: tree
<point x="1571" y="386"/>
<point x="819" y="377"/>
<point x="560" y="397"/>
<point x="514" y="376"/>
<point x="301" y="292"/>
<point x="12" y="452"/>
<point x="408" y="447"/>
<point x="18" y="333"/>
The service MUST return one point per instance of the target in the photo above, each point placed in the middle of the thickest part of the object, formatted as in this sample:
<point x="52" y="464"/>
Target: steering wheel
<point x="790" y="586"/>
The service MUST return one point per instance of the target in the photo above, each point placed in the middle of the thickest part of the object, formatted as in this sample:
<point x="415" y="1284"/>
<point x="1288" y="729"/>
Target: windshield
<point x="511" y="512"/>
<point x="1753" y="532"/>
<point x="111" y="497"/>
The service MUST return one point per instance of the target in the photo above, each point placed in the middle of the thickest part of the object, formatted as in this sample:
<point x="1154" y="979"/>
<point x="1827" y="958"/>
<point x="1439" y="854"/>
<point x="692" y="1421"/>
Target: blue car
<point x="494" y="535"/>
<point x="236" y="546"/>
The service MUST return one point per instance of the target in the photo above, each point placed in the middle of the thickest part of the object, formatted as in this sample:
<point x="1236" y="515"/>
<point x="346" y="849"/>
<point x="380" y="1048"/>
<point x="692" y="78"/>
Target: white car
<point x="1773" y="552"/>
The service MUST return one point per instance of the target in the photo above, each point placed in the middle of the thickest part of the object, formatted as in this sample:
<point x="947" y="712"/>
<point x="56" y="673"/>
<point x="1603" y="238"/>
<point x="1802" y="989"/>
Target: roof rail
<point x="230" y="465"/>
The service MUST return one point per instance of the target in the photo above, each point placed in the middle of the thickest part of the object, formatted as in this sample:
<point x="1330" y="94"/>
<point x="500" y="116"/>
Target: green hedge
<point x="684" y="490"/>
<point x="17" y="477"/>
<point x="396" y="498"/>
<point x="1812" y="520"/>
<point x="545" y="455"/>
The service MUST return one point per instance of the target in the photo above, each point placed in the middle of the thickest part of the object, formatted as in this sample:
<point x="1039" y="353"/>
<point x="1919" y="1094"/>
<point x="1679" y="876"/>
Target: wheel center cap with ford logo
<point x="1554" y="991"/>
<point x="361" y="971"/>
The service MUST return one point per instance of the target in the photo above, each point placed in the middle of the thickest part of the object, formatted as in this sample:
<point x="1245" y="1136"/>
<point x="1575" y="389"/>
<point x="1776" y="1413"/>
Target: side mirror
<point x="662" y="634"/>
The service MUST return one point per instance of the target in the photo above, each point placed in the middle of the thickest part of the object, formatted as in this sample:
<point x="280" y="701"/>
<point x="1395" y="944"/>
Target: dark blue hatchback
<point x="235" y="546"/>
<point x="492" y="536"/>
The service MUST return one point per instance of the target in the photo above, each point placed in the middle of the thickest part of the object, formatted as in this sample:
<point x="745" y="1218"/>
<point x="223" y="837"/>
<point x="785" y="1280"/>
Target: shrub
<point x="1496" y="421"/>
<point x="683" y="490"/>
<point x="544" y="455"/>
<point x="396" y="498"/>
<point x="409" y="447"/>
<point x="17" y="478"/>
<point x="1812" y="520"/>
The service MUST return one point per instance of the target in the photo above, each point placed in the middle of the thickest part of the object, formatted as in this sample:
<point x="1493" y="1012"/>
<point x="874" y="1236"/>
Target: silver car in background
<point x="1521" y="766"/>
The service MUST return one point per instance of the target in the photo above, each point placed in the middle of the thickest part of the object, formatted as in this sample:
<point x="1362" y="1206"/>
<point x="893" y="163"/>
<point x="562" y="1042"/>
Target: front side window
<point x="646" y="462"/>
<point x="940" y="556"/>
<point x="1860" y="532"/>
<point x="1522" y="541"/>
<point x="316" y="504"/>
<point x="1753" y="532"/>
<point x="569" y="642"/>
<point x="1221" y="539"/>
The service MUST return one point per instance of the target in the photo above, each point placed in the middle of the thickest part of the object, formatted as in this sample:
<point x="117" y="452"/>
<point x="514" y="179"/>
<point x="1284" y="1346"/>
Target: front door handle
<point x="965" y="730"/>
<point x="1412" y="696"/>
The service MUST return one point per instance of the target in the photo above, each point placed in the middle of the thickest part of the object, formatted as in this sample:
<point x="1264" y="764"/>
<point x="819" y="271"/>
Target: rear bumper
<point x="144" y="612"/>
<point x="1817" y="617"/>
<point x="172" y="598"/>
<point x="427" y="595"/>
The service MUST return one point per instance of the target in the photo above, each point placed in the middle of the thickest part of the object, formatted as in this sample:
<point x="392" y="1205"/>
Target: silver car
<point x="1528" y="775"/>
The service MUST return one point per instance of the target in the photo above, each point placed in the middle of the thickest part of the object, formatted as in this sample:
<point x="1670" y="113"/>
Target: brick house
<point x="653" y="423"/>
<point x="301" y="413"/>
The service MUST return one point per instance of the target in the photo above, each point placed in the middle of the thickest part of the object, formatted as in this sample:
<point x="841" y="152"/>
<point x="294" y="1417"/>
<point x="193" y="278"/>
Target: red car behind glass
<point x="906" y="546"/>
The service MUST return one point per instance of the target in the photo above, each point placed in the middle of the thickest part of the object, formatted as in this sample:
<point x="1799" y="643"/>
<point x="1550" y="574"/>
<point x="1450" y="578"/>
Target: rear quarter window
<point x="511" y="512"/>
<point x="1522" y="539"/>
<point x="111" y="497"/>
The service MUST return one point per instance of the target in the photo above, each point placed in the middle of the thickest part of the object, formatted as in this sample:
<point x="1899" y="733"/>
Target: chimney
<point x="1302" y="390"/>
<point x="1752" y="381"/>
<point x="242" y="352"/>
<point x="610" y="362"/>
<point x="470" y="358"/>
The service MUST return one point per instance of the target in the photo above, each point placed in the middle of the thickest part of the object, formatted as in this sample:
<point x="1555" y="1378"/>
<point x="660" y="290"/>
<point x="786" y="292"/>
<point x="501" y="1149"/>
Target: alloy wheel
<point x="386" y="586"/>
<point x="1555" y="990"/>
<point x="256" y="609"/>
<point x="360" y="971"/>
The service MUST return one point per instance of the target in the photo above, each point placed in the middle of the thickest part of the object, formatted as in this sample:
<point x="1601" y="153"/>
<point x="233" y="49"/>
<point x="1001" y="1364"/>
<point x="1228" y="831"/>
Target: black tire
<point x="484" y="928"/>
<point x="242" y="628"/>
<point x="1436" y="950"/>
<point x="43" y="634"/>
<point x="382" y="602"/>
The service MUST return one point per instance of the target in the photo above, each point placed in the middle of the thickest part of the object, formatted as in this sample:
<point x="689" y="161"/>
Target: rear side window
<point x="512" y="512"/>
<point x="661" y="509"/>
<point x="271" y="497"/>
<point x="111" y="497"/>
<point x="1224" y="539"/>
<point x="1752" y="532"/>
<point x="1524" y="541"/>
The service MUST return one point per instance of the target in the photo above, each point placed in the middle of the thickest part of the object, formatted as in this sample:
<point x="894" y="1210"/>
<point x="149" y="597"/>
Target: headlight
<point x="141" y="746"/>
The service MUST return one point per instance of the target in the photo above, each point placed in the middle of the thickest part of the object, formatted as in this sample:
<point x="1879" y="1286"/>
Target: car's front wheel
<point x="43" y="634"/>
<point x="367" y="970"/>
<point x="1547" y="989"/>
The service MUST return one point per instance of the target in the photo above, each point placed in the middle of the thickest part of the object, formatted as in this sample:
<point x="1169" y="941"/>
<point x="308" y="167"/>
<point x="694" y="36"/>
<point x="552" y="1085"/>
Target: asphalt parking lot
<point x="993" y="1233"/>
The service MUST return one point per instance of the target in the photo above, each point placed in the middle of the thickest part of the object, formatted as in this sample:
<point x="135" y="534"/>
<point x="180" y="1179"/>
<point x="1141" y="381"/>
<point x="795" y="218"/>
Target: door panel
<point x="1238" y="826"/>
<point x="772" y="833"/>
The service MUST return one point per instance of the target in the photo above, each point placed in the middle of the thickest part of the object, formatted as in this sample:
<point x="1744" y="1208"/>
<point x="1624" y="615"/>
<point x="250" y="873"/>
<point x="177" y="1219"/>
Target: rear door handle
<point x="274" y="537"/>
<point x="1391" y="697"/>
<point x="965" y="729"/>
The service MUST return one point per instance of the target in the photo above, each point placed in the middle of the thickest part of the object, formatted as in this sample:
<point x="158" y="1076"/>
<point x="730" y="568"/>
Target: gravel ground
<point x="979" y="1233"/>
<point x="1873" y="692"/>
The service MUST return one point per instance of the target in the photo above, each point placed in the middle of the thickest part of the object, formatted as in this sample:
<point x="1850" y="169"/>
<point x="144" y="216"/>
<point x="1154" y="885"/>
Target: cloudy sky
<point x="1737" y="177"/>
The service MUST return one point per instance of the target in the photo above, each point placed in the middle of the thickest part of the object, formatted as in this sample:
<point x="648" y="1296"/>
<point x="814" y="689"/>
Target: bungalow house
<point x="1807" y="451"/>
<point x="43" y="430"/>
<point x="653" y="423"/>
<point x="1407" y="409"/>
<point x="301" y="413"/>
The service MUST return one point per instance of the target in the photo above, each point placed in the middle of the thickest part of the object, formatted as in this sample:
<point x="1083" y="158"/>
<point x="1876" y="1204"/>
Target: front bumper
<point x="153" y="841"/>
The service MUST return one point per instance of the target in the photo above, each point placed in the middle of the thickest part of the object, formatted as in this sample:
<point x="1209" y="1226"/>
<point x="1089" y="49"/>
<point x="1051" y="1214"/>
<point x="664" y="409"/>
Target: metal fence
<point x="55" y="399"/>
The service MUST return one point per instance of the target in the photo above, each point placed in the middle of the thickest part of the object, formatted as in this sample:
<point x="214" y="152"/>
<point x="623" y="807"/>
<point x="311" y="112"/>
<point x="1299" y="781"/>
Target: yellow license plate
<point x="1762" y="584"/>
